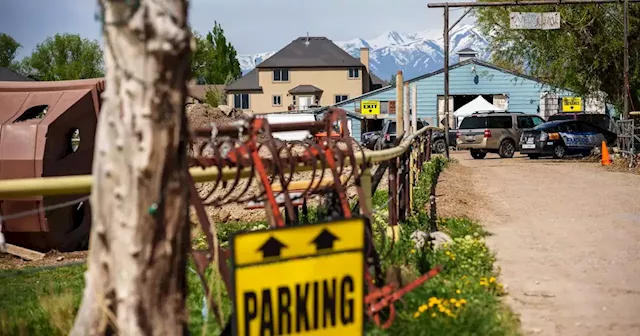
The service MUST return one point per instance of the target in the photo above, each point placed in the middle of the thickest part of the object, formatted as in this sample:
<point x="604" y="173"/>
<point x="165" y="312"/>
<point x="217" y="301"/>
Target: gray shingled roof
<point x="467" y="51"/>
<point x="8" y="75"/>
<point x="248" y="82"/>
<point x="305" y="89"/>
<point x="319" y="52"/>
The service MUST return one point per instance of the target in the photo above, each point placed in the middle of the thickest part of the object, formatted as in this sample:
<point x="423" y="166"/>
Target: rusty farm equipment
<point x="40" y="128"/>
<point x="246" y="153"/>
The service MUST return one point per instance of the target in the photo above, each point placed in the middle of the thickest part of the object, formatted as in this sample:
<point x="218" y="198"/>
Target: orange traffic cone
<point x="606" y="160"/>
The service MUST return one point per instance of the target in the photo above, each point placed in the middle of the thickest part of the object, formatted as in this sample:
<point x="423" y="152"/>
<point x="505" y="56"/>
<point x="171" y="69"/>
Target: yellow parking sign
<point x="299" y="280"/>
<point x="571" y="104"/>
<point x="370" y="107"/>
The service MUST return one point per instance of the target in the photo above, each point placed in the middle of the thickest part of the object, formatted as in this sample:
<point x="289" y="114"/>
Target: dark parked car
<point x="369" y="139"/>
<point x="389" y="135"/>
<point x="562" y="137"/>
<point x="601" y="120"/>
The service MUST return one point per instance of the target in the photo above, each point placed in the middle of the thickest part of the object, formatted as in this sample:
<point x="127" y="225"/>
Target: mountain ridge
<point x="414" y="53"/>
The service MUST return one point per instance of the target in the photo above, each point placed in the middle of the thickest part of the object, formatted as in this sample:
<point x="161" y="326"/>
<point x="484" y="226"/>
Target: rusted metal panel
<point x="37" y="142"/>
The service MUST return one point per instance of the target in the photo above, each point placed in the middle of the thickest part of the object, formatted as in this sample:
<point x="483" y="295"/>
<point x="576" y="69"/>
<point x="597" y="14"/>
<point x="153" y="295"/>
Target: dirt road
<point x="567" y="236"/>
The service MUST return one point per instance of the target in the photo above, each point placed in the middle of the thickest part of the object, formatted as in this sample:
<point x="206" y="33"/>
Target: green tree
<point x="65" y="57"/>
<point x="392" y="81"/>
<point x="584" y="55"/>
<point x="215" y="60"/>
<point x="8" y="51"/>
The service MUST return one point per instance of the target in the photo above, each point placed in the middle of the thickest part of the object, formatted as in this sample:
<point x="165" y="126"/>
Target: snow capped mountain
<point x="415" y="53"/>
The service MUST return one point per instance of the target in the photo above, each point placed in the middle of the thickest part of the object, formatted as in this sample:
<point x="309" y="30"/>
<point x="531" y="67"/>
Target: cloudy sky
<point x="251" y="25"/>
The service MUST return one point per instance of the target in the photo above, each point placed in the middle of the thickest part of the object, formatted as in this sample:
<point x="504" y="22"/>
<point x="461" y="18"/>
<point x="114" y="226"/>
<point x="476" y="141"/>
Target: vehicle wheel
<point x="534" y="156"/>
<point x="507" y="148"/>
<point x="559" y="151"/>
<point x="478" y="155"/>
<point x="439" y="146"/>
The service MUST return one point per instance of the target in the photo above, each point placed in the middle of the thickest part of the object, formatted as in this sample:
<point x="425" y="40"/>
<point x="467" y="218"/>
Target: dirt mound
<point x="201" y="115"/>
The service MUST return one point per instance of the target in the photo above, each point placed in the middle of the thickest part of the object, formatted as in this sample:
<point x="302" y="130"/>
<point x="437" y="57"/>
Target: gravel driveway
<point x="567" y="236"/>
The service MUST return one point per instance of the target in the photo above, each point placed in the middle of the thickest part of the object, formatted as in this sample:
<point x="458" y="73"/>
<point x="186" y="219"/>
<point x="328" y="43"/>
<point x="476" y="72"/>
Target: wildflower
<point x="462" y="301"/>
<point x="492" y="279"/>
<point x="458" y="304"/>
<point x="413" y="251"/>
<point x="447" y="253"/>
<point x="442" y="309"/>
<point x="458" y="291"/>
<point x="416" y="314"/>
<point x="423" y="308"/>
<point x="433" y="315"/>
<point x="452" y="300"/>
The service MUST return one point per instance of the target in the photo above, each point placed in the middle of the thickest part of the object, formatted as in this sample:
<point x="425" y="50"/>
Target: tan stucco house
<point x="309" y="72"/>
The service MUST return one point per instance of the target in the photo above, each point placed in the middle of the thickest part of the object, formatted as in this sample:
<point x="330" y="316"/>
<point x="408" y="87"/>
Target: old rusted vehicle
<point x="47" y="129"/>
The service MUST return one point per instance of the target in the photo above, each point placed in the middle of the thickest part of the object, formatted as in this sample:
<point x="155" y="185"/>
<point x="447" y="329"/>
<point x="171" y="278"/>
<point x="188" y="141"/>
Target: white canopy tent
<point x="479" y="104"/>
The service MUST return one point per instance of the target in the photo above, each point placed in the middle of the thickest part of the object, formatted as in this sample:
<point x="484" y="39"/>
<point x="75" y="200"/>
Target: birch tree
<point x="136" y="281"/>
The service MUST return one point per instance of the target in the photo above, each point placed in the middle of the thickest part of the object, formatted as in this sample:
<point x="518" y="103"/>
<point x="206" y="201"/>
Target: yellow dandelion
<point x="447" y="253"/>
<point x="433" y="315"/>
<point x="458" y="291"/>
<point x="423" y="308"/>
<point x="452" y="300"/>
<point x="442" y="309"/>
<point x="416" y="314"/>
<point x="492" y="279"/>
<point x="462" y="301"/>
<point x="458" y="304"/>
<point x="453" y="257"/>
<point x="413" y="251"/>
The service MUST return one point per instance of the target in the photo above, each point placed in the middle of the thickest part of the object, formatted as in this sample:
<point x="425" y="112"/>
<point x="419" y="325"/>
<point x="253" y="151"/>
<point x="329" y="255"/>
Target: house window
<point x="341" y="98"/>
<point x="281" y="75"/>
<point x="354" y="73"/>
<point x="277" y="100"/>
<point x="241" y="101"/>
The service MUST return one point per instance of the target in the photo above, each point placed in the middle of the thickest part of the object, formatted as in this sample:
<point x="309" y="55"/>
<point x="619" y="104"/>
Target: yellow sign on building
<point x="300" y="280"/>
<point x="370" y="107"/>
<point x="571" y="104"/>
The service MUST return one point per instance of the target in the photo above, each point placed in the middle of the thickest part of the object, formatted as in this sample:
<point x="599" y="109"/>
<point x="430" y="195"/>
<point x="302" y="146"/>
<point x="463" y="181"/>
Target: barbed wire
<point x="44" y="209"/>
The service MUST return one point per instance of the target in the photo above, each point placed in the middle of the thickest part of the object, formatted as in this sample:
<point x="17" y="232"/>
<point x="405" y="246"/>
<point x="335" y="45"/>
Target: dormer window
<point x="281" y="75"/>
<point x="354" y="73"/>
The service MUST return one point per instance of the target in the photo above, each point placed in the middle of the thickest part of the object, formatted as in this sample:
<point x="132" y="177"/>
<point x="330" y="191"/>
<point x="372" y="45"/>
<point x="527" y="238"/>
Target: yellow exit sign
<point x="571" y="104"/>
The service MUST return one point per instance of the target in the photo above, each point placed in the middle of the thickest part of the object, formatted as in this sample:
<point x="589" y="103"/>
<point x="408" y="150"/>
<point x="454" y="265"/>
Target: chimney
<point x="364" y="57"/>
<point x="466" y="54"/>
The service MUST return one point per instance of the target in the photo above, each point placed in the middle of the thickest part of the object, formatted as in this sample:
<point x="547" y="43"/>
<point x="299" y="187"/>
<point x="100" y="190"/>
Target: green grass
<point x="464" y="299"/>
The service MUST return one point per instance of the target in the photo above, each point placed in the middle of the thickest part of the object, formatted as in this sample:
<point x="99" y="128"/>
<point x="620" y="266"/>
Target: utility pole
<point x="625" y="113"/>
<point x="446" y="78"/>
<point x="136" y="267"/>
<point x="447" y="5"/>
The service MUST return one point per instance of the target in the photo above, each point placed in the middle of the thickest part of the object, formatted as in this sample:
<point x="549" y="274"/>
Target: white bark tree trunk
<point x="136" y="279"/>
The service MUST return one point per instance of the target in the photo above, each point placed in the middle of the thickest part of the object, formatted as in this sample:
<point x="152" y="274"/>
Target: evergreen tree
<point x="215" y="60"/>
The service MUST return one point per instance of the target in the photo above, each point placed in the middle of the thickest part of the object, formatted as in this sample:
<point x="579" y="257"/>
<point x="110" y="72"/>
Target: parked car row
<point x="505" y="133"/>
<point x="386" y="136"/>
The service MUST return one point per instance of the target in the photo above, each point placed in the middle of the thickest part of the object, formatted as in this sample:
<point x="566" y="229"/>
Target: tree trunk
<point x="136" y="279"/>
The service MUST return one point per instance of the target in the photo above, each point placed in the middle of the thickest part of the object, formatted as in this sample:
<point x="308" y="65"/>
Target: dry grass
<point x="61" y="310"/>
<point x="456" y="197"/>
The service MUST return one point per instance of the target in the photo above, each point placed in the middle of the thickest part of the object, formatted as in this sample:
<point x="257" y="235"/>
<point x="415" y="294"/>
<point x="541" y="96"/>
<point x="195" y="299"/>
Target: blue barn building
<point x="468" y="79"/>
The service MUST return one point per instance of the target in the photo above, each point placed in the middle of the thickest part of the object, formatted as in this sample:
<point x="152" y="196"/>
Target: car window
<point x="570" y="127"/>
<point x="473" y="122"/>
<point x="587" y="127"/>
<point x="537" y="121"/>
<point x="525" y="122"/>
<point x="392" y="128"/>
<point x="500" y="122"/>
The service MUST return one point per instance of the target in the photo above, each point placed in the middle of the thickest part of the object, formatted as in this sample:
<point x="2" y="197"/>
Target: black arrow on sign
<point x="271" y="248"/>
<point x="324" y="240"/>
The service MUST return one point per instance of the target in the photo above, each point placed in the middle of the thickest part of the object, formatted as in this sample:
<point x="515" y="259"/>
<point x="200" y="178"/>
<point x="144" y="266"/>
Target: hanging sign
<point x="545" y="21"/>
<point x="571" y="104"/>
<point x="371" y="107"/>
<point x="299" y="280"/>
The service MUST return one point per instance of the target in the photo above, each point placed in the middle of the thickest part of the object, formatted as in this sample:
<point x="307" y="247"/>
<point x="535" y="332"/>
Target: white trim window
<point x="276" y="100"/>
<point x="241" y="101"/>
<point x="281" y="75"/>
<point x="354" y="73"/>
<point x="341" y="98"/>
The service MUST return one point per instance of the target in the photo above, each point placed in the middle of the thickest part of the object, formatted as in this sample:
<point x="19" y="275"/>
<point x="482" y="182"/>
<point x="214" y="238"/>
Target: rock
<point x="437" y="238"/>
<point x="60" y="258"/>
<point x="536" y="330"/>
<point x="224" y="215"/>
<point x="440" y="238"/>
<point x="226" y="109"/>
